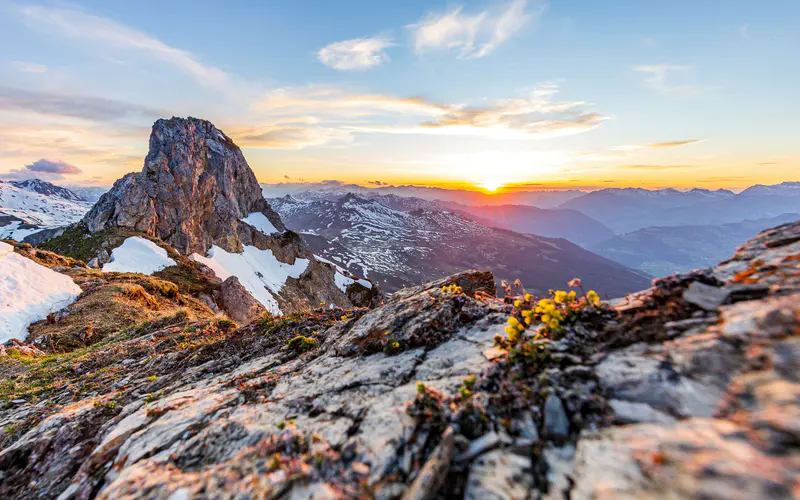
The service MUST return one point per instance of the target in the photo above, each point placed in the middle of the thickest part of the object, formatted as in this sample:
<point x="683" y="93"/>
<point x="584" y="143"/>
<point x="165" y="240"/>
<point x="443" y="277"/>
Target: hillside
<point x="685" y="388"/>
<point x="24" y="211"/>
<point x="665" y="250"/>
<point x="571" y="225"/>
<point x="398" y="249"/>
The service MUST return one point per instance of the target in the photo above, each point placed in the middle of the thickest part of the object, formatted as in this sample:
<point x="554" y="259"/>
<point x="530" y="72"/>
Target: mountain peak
<point x="193" y="191"/>
<point x="46" y="188"/>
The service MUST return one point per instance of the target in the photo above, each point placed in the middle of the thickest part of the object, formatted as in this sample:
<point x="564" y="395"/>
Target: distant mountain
<point x="398" y="248"/>
<point x="89" y="193"/>
<point x="667" y="250"/>
<point x="47" y="189"/>
<point x="756" y="202"/>
<point x="568" y="224"/>
<point x="628" y="209"/>
<point x="24" y="212"/>
<point x="330" y="190"/>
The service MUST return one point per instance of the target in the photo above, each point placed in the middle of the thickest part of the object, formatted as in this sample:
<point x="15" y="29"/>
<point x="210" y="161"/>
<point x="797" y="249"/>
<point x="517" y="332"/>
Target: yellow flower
<point x="527" y="297"/>
<point x="513" y="335"/>
<point x="527" y="320"/>
<point x="444" y="289"/>
<point x="344" y="318"/>
<point x="593" y="297"/>
<point x="517" y="303"/>
<point x="545" y="318"/>
<point x="560" y="297"/>
<point x="553" y="324"/>
<point x="572" y="296"/>
<point x="513" y="321"/>
<point x="510" y="330"/>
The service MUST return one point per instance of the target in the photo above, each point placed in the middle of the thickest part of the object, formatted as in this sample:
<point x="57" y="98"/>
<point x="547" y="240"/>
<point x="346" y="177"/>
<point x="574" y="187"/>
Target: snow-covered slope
<point x="47" y="189"/>
<point x="138" y="255"/>
<point x="34" y="211"/>
<point x="258" y="271"/>
<point x="29" y="292"/>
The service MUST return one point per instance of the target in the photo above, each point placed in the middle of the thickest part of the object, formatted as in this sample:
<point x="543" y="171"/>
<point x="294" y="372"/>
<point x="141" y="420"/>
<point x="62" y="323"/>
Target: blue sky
<point x="564" y="93"/>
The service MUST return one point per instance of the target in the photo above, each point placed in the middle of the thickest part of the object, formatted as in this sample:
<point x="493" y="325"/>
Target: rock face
<point x="193" y="191"/>
<point x="658" y="397"/>
<point x="196" y="190"/>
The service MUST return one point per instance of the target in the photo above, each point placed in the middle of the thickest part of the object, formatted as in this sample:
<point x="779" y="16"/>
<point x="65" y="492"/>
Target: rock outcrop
<point x="193" y="191"/>
<point x="197" y="191"/>
<point x="689" y="389"/>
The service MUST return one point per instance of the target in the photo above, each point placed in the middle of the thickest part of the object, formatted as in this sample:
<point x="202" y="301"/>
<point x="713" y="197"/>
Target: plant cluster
<point x="552" y="313"/>
<point x="452" y="289"/>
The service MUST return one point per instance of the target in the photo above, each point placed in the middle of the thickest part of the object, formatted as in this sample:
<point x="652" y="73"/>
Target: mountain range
<point x="402" y="248"/>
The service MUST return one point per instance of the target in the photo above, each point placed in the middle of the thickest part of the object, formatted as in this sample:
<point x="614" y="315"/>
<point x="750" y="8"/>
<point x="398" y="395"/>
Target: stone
<point x="434" y="472"/>
<point x="501" y="476"/>
<point x="705" y="296"/>
<point x="239" y="303"/>
<point x="481" y="445"/>
<point x="556" y="422"/>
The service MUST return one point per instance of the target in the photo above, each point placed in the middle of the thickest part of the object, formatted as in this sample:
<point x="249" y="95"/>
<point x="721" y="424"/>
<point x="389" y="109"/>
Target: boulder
<point x="239" y="303"/>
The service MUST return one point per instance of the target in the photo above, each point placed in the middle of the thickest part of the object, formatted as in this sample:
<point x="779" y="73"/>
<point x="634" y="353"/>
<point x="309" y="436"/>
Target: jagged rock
<point x="238" y="303"/>
<point x="193" y="191"/>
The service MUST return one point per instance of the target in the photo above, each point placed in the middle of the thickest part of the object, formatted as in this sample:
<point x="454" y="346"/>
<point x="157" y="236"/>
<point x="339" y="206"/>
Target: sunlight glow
<point x="492" y="185"/>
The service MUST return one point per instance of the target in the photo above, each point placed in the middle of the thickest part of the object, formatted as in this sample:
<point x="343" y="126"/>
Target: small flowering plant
<point x="550" y="313"/>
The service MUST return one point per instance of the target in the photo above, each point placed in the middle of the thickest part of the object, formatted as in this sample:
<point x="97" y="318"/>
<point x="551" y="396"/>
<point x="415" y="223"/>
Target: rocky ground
<point x="688" y="389"/>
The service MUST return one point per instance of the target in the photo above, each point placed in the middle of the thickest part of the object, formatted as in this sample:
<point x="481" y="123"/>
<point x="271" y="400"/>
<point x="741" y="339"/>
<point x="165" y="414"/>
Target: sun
<point x="492" y="185"/>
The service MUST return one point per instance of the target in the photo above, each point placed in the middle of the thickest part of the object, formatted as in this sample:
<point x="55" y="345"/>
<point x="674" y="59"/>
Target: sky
<point x="480" y="94"/>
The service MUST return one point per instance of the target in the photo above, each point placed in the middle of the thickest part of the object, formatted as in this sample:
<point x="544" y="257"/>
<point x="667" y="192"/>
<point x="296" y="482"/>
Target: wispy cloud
<point x="355" y="54"/>
<point x="656" y="145"/>
<point x="27" y="67"/>
<point x="656" y="167"/>
<point x="106" y="33"/>
<point x="660" y="77"/>
<point x="537" y="115"/>
<point x="85" y="107"/>
<point x="472" y="35"/>
<point x="744" y="31"/>
<point x="43" y="169"/>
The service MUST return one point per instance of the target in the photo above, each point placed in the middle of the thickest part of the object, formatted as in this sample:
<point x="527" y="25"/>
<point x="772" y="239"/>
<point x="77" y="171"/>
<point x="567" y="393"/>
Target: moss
<point x="301" y="344"/>
<point x="77" y="242"/>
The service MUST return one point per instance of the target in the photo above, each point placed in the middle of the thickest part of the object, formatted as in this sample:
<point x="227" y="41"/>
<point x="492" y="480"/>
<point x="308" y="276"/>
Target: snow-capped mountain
<point x="24" y="212"/>
<point x="397" y="248"/>
<point x="89" y="193"/>
<point x="47" y="189"/>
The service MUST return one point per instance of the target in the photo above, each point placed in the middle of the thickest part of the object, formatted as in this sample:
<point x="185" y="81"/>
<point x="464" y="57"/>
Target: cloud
<point x="43" y="169"/>
<point x="355" y="54"/>
<point x="656" y="167"/>
<point x="656" y="145"/>
<point x="657" y="77"/>
<point x="472" y="35"/>
<point x="377" y="183"/>
<point x="87" y="108"/>
<point x="26" y="67"/>
<point x="105" y="33"/>
<point x="744" y="31"/>
<point x="290" y="137"/>
<point x="537" y="115"/>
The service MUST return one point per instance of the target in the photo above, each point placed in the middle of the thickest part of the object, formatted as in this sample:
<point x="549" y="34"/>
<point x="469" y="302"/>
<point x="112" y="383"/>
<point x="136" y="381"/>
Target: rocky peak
<point x="193" y="191"/>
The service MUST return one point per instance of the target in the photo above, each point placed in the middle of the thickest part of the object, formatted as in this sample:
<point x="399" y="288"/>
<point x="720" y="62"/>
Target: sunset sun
<point x="492" y="185"/>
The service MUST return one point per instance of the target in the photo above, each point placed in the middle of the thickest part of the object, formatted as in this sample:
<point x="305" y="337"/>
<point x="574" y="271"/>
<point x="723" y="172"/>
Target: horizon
<point x="490" y="96"/>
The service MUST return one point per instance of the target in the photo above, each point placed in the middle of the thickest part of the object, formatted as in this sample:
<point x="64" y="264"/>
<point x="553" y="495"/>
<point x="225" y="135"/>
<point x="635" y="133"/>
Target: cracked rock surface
<point x="667" y="395"/>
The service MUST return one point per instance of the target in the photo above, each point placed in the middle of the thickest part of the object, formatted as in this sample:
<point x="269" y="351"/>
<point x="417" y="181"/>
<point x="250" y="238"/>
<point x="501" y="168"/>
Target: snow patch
<point x="29" y="292"/>
<point x="260" y="222"/>
<point x="343" y="282"/>
<point x="138" y="255"/>
<point x="258" y="271"/>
